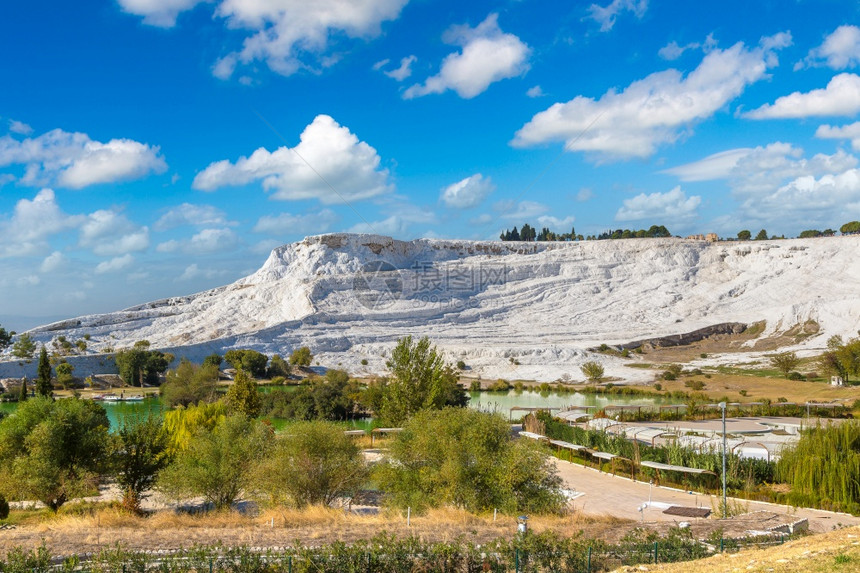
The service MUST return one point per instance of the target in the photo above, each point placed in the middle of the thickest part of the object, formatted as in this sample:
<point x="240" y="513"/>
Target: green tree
<point x="848" y="355"/>
<point x="5" y="338"/>
<point x="468" y="459"/>
<point x="65" y="375"/>
<point x="217" y="464"/>
<point x="213" y="359"/>
<point x="24" y="347"/>
<point x="785" y="362"/>
<point x="251" y="361"/>
<point x="43" y="379"/>
<point x="761" y="236"/>
<point x="810" y="233"/>
<point x="138" y="366"/>
<point x="189" y="384"/>
<point x="182" y="424"/>
<point x="593" y="371"/>
<point x="278" y="367"/>
<point x="314" y="464"/>
<point x="24" y="390"/>
<point x="243" y="397"/>
<point x="4" y="508"/>
<point x="301" y="357"/>
<point x="744" y="235"/>
<point x="140" y="454"/>
<point x="850" y="228"/>
<point x="419" y="379"/>
<point x="53" y="451"/>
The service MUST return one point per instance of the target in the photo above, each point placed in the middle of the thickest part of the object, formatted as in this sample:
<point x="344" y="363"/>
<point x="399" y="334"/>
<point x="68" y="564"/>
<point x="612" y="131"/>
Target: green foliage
<point x="499" y="385"/>
<point x="823" y="468"/>
<point x="461" y="365"/>
<point x="251" y="361"/>
<point x="243" y="397"/>
<point x="761" y="235"/>
<point x="592" y="370"/>
<point x="850" y="228"/>
<point x="475" y="386"/>
<point x="24" y="394"/>
<point x="314" y="463"/>
<point x="695" y="385"/>
<point x="795" y="376"/>
<point x="468" y="459"/>
<point x="82" y="345"/>
<point x="181" y="424"/>
<point x="217" y="463"/>
<point x="324" y="399"/>
<point x="43" y="378"/>
<point x="658" y="386"/>
<point x="5" y="338"/>
<point x="4" y="507"/>
<point x="810" y="233"/>
<point x="138" y="366"/>
<point x="65" y="375"/>
<point x="189" y="384"/>
<point x="301" y="357"/>
<point x="24" y="347"/>
<point x="141" y="453"/>
<point x="669" y="375"/>
<point x="785" y="362"/>
<point x="364" y="361"/>
<point x="53" y="450"/>
<point x="278" y="367"/>
<point x="213" y="359"/>
<point x="420" y="379"/>
<point x="744" y="235"/>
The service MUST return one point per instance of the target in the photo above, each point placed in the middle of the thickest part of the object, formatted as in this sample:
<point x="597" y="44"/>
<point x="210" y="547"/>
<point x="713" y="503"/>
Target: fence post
<point x="517" y="560"/>
<point x="290" y="564"/>
<point x="210" y="565"/>
<point x="655" y="552"/>
<point x="588" y="565"/>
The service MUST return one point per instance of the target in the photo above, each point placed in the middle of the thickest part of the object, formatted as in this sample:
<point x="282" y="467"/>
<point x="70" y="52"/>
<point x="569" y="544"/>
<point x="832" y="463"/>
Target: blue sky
<point x="152" y="148"/>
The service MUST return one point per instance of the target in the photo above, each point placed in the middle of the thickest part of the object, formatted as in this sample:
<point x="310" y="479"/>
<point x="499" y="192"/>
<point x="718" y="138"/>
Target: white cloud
<point x="74" y="160"/>
<point x="27" y="281"/>
<point x="380" y="64"/>
<point x="525" y="210"/>
<point x="206" y="241"/>
<point x="32" y="222"/>
<point x="337" y="158"/>
<point x="650" y="112"/>
<point x="19" y="127"/>
<point x="673" y="51"/>
<point x="53" y="262"/>
<point x="110" y="233"/>
<point x="840" y="97"/>
<point x="584" y="194"/>
<point x="288" y="35"/>
<point x="481" y="219"/>
<point x="851" y="131"/>
<point x="535" y="91"/>
<point x="288" y="224"/>
<point x="488" y="55"/>
<point x="404" y="71"/>
<point x="556" y="224"/>
<point x="716" y="166"/>
<point x="606" y="15"/>
<point x="468" y="192"/>
<point x="188" y="214"/>
<point x="398" y="223"/>
<point x="809" y="200"/>
<point x="840" y="50"/>
<point x="115" y="264"/>
<point x="161" y="13"/>
<point x="671" y="206"/>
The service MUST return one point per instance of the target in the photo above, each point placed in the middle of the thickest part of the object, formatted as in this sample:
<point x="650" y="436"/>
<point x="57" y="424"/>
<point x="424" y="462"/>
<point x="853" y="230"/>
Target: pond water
<point x="500" y="402"/>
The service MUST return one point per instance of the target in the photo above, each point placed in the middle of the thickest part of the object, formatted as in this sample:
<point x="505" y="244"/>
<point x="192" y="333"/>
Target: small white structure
<point x="836" y="381"/>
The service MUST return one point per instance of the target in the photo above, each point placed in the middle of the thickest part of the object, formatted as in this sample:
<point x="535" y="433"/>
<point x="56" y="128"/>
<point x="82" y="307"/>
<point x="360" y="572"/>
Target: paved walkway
<point x="605" y="494"/>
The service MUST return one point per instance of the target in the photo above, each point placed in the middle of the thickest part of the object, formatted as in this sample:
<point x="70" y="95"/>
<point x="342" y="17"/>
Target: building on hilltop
<point x="710" y="237"/>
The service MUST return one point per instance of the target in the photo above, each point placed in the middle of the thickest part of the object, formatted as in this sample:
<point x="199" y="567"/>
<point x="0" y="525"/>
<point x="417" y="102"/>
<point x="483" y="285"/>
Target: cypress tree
<point x="43" y="382"/>
<point x="23" y="395"/>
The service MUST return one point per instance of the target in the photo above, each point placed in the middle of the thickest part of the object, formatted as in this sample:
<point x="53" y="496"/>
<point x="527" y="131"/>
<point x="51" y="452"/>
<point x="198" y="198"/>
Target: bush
<point x="703" y="355"/>
<point x="658" y="386"/>
<point x="189" y="384"/>
<point x="593" y="371"/>
<point x="796" y="376"/>
<point x="461" y="365"/>
<point x="278" y="367"/>
<point x="695" y="384"/>
<point x="364" y="361"/>
<point x="499" y="386"/>
<point x="669" y="375"/>
<point x="301" y="357"/>
<point x="742" y="392"/>
<point x="4" y="507"/>
<point x="475" y="386"/>
<point x="251" y="361"/>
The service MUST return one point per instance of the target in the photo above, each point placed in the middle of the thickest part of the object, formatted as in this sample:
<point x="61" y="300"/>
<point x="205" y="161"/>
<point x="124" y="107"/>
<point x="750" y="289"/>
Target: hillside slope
<point x="350" y="297"/>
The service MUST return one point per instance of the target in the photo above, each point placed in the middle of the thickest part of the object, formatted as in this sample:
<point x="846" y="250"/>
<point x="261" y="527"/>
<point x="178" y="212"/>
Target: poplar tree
<point x="43" y="381"/>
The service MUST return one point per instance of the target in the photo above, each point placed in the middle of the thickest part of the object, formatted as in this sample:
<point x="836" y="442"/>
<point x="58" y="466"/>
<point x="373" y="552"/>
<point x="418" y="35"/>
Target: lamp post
<point x="723" y="408"/>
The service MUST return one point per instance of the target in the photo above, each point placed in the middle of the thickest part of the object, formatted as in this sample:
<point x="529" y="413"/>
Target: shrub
<point x="593" y="371"/>
<point x="364" y="361"/>
<point x="475" y="386"/>
<point x="703" y="355"/>
<point x="301" y="357"/>
<point x="625" y="353"/>
<point x="742" y="392"/>
<point x="669" y="375"/>
<point x="461" y="365"/>
<point x="189" y="384"/>
<point x="4" y="507"/>
<point x="604" y="347"/>
<point x="796" y="376"/>
<point x="695" y="385"/>
<point x="658" y="386"/>
<point x="499" y="386"/>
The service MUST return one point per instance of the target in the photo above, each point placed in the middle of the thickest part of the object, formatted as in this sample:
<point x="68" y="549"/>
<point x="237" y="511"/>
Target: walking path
<point x="605" y="494"/>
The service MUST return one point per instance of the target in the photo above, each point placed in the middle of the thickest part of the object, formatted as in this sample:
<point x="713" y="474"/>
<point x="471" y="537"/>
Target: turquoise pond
<point x="500" y="402"/>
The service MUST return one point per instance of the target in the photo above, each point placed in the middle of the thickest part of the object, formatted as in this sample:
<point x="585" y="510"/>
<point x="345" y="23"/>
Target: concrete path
<point x="605" y="494"/>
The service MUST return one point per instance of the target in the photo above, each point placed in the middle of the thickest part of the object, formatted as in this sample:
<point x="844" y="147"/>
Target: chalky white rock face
<point x="350" y="297"/>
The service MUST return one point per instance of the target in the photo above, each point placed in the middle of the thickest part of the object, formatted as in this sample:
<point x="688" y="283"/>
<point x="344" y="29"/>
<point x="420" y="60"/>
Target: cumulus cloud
<point x="840" y="97"/>
<point x="32" y="223"/>
<point x="329" y="164"/>
<point x="673" y="205"/>
<point x="193" y="215"/>
<point x="402" y="72"/>
<point x="584" y="194"/>
<point x="851" y="132"/>
<point x="606" y="15"/>
<point x="652" y="111"/>
<point x="535" y="91"/>
<point x="824" y="199"/>
<point x="110" y="233"/>
<point x="75" y="161"/>
<point x="115" y="264"/>
<point x="204" y="242"/>
<point x="554" y="223"/>
<point x="840" y="50"/>
<point x="288" y="35"/>
<point x="19" y="127"/>
<point x="402" y="216"/>
<point x="288" y="223"/>
<point x="523" y="210"/>
<point x="488" y="55"/>
<point x="53" y="262"/>
<point x="468" y="192"/>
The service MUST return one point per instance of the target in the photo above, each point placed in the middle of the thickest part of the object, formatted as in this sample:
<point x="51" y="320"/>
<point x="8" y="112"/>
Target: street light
<point x="723" y="408"/>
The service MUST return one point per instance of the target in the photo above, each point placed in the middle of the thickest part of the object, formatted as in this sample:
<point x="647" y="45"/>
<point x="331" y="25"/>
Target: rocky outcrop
<point x="687" y="337"/>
